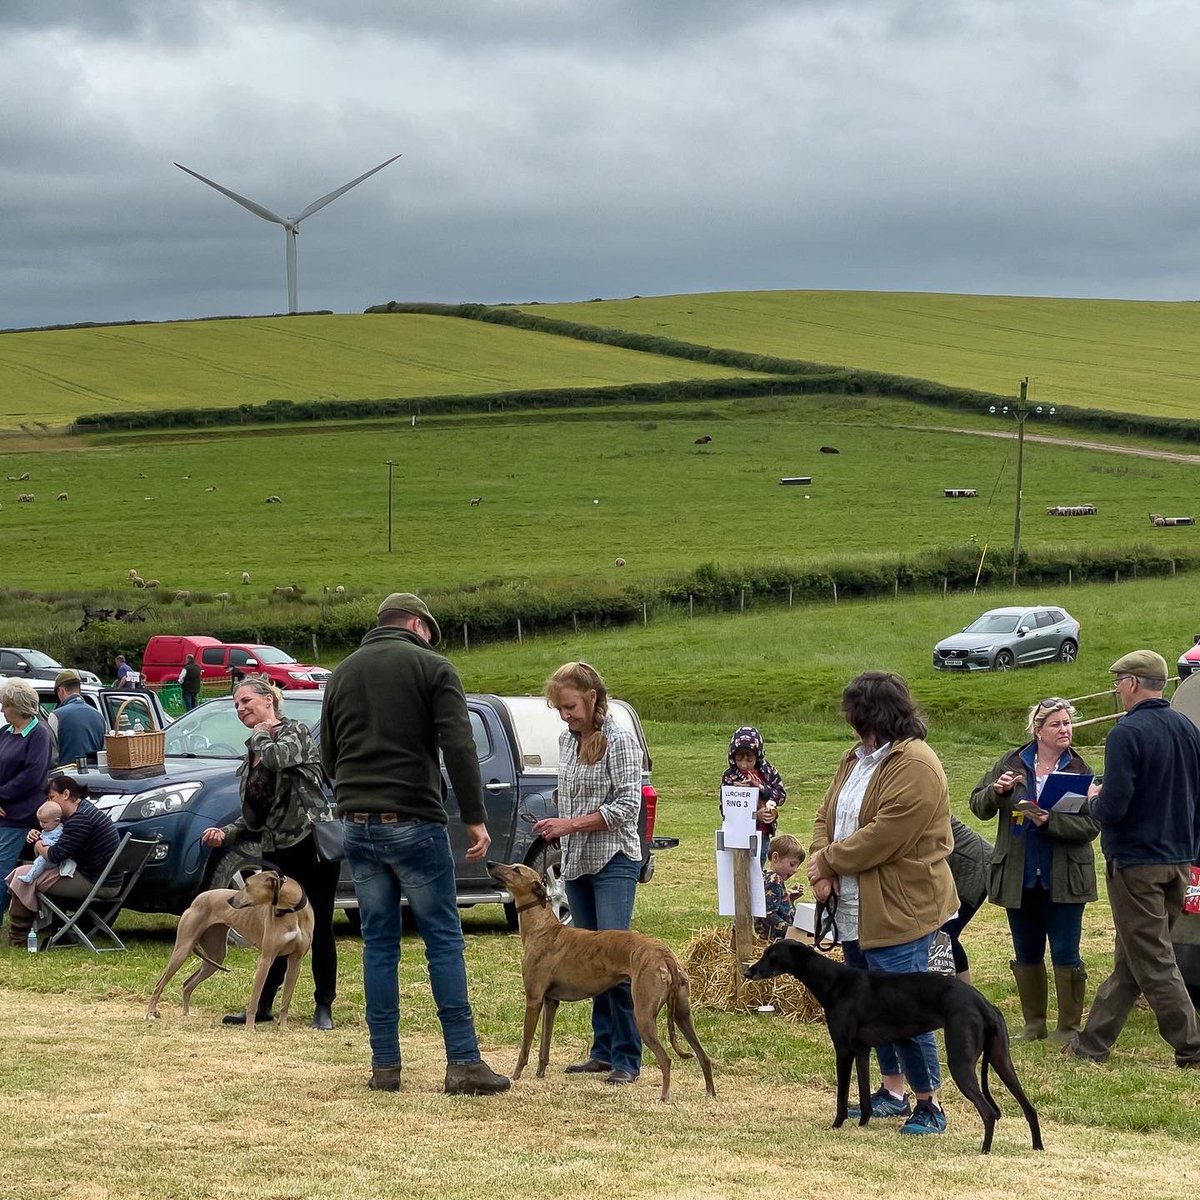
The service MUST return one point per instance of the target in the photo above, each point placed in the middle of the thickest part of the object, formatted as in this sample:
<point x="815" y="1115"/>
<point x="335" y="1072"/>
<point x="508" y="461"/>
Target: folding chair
<point x="99" y="908"/>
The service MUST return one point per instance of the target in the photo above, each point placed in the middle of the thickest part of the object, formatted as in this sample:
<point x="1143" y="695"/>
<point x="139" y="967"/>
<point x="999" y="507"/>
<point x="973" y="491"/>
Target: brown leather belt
<point x="364" y="818"/>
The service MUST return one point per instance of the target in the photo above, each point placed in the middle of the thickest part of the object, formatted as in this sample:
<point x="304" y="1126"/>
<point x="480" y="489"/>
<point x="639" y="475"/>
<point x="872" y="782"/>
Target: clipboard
<point x="1065" y="791"/>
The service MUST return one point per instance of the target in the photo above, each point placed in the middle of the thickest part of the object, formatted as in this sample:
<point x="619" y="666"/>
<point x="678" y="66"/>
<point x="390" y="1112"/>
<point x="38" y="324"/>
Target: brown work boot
<point x="384" y="1079"/>
<point x="474" y="1079"/>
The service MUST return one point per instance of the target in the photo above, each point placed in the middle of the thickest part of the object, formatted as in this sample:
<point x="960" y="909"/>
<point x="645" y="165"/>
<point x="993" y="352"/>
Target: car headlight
<point x="299" y="675"/>
<point x="160" y="800"/>
<point x="980" y="649"/>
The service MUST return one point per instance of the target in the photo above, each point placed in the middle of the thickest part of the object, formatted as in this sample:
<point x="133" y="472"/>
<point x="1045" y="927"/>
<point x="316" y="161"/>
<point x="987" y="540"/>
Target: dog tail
<point x="678" y="1003"/>
<point x="201" y="955"/>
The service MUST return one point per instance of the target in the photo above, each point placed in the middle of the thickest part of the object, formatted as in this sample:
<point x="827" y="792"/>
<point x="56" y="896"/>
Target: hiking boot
<point x="474" y="1079"/>
<point x="240" y="1018"/>
<point x="592" y="1066"/>
<point x="384" y="1079"/>
<point x="926" y="1118"/>
<point x="885" y="1104"/>
<point x="617" y="1077"/>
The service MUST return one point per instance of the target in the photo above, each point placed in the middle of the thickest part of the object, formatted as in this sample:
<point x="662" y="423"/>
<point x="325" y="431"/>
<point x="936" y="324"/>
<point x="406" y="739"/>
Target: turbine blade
<point x="289" y="232"/>
<point x="324" y="200"/>
<point x="256" y="209"/>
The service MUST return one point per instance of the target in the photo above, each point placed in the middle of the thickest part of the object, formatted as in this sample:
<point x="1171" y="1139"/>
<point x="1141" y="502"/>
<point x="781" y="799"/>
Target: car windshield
<point x="39" y="661"/>
<point x="214" y="731"/>
<point x="271" y="656"/>
<point x="993" y="623"/>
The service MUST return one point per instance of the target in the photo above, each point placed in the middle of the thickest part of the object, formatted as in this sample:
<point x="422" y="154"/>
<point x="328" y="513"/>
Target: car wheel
<point x="1067" y="651"/>
<point x="556" y="888"/>
<point x="1004" y="661"/>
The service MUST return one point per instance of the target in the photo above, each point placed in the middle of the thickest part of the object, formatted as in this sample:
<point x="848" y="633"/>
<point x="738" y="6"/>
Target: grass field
<point x="55" y="376"/>
<point x="1123" y="355"/>
<point x="664" y="504"/>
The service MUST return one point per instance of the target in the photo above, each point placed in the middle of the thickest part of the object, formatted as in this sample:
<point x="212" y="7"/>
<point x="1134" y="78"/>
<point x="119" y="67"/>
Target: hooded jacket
<point x="748" y="738"/>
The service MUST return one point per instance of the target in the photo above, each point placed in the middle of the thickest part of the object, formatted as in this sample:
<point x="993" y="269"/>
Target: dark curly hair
<point x="879" y="707"/>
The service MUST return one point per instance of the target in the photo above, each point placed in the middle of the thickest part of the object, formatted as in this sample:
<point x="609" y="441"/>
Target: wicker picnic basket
<point x="126" y="751"/>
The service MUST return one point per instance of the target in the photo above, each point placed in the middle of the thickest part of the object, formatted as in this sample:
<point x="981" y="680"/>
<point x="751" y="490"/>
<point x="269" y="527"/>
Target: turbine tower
<point x="290" y="224"/>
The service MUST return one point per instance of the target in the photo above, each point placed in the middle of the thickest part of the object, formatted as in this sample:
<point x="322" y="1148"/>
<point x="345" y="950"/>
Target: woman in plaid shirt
<point x="599" y="798"/>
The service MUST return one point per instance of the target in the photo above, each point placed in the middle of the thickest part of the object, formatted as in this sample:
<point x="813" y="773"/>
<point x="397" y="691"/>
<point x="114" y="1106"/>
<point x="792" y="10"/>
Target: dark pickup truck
<point x="516" y="739"/>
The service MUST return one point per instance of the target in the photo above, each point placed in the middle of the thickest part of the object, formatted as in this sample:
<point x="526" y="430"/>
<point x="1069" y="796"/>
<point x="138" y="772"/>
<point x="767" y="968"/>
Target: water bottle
<point x="31" y="942"/>
<point x="138" y="727"/>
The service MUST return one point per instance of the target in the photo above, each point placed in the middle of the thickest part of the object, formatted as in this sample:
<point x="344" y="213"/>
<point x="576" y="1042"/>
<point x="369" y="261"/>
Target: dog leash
<point x="825" y="934"/>
<point x="529" y="819"/>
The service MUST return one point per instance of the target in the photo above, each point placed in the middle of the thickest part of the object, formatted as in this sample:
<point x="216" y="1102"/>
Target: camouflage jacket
<point x="293" y="761"/>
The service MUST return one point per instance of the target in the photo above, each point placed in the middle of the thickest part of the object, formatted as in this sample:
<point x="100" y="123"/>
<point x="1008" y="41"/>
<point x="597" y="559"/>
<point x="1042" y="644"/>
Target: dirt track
<point x="1111" y="447"/>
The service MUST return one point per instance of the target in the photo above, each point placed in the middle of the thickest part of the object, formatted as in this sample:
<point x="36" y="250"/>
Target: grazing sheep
<point x="152" y="583"/>
<point x="134" y="572"/>
<point x="702" y="441"/>
<point x="272" y="500"/>
<point x="830" y="450"/>
<point x="245" y="576"/>
<point x="285" y="589"/>
<point x="213" y="488"/>
<point x="1071" y="510"/>
<point x="223" y="597"/>
<point x="25" y="498"/>
<point x="1160" y="521"/>
<point x="12" y="479"/>
<point x="187" y="477"/>
<point x="138" y="581"/>
<point x="475" y="501"/>
<point x="620" y="562"/>
<point x="61" y="496"/>
<point x="340" y="590"/>
<point x="141" y="474"/>
<point x="147" y="497"/>
<point x="184" y="595"/>
<point x="23" y="477"/>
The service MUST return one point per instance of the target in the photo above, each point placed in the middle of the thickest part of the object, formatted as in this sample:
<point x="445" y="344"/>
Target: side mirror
<point x="1023" y="631"/>
<point x="251" y="662"/>
<point x="22" y="665"/>
<point x="1196" y="640"/>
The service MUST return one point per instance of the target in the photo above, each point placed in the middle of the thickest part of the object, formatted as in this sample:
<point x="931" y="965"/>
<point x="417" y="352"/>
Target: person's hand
<point x="266" y="727"/>
<point x="479" y="840"/>
<point x="1038" y="816"/>
<point x="766" y="815"/>
<point x="817" y="869"/>
<point x="1006" y="783"/>
<point x="1094" y="790"/>
<point x="551" y="829"/>
<point x="822" y="890"/>
<point x="41" y="848"/>
<point x="213" y="837"/>
<point x="33" y="835"/>
<point x="796" y="892"/>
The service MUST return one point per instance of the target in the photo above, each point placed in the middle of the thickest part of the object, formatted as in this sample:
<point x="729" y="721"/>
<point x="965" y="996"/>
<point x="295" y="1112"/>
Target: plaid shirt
<point x="613" y="786"/>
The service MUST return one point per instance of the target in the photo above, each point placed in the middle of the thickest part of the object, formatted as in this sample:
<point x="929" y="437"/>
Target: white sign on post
<point x="738" y="805"/>
<point x="725" y="897"/>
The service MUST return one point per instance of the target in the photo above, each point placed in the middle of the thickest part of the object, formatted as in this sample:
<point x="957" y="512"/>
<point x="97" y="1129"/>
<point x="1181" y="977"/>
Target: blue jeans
<point x="605" y="901"/>
<point x="190" y="700"/>
<point x="918" y="1054"/>
<point x="12" y="842"/>
<point x="1040" y="919"/>
<point x="413" y="858"/>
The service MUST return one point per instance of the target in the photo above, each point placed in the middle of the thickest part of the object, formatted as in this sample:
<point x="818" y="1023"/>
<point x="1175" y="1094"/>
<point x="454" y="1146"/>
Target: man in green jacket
<point x="388" y="710"/>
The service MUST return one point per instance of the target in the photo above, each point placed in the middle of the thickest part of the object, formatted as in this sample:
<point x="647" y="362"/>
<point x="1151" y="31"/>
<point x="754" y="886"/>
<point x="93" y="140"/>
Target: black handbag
<point x="329" y="840"/>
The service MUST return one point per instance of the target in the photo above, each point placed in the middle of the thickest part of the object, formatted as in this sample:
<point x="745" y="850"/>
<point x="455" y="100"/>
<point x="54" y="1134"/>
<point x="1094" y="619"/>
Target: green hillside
<point x="56" y="375"/>
<point x="1120" y="355"/>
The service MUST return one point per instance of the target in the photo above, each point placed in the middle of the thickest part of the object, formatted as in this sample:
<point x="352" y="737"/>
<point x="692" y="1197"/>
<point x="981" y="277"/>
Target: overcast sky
<point x="566" y="149"/>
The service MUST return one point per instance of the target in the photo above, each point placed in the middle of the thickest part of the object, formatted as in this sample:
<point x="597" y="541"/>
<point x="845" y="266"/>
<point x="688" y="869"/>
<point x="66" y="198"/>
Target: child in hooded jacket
<point x="748" y="767"/>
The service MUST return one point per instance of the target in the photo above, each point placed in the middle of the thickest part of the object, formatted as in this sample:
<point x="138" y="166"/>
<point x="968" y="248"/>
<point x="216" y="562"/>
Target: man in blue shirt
<point x="81" y="728"/>
<point x="1148" y="810"/>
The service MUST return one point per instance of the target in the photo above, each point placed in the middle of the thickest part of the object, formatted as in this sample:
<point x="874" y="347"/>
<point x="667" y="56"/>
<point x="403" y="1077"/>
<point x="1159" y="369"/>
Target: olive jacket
<point x="899" y="851"/>
<point x="1073" y="860"/>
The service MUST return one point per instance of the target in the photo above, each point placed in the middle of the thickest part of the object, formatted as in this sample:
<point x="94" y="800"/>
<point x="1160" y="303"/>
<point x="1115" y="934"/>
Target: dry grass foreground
<point x="99" y="1104"/>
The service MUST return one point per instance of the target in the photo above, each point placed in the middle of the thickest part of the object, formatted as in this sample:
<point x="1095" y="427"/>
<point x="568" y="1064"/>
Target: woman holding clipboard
<point x="1043" y="869"/>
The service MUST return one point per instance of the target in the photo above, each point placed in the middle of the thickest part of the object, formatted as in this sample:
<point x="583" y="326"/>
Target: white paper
<point x="806" y="916"/>
<point x="758" y="893"/>
<point x="738" y="805"/>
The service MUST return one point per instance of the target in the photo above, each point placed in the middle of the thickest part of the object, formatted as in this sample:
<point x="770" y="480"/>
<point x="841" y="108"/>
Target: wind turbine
<point x="290" y="224"/>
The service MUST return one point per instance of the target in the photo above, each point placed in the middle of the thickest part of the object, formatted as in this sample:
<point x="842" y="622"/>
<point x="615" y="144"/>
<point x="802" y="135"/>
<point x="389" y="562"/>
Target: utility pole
<point x="389" y="505"/>
<point x="1021" y="411"/>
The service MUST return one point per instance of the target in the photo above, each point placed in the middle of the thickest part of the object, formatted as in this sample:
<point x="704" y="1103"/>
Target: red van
<point x="166" y="654"/>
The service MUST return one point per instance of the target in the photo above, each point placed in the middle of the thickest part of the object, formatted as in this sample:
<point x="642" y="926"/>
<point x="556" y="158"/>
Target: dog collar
<point x="532" y="904"/>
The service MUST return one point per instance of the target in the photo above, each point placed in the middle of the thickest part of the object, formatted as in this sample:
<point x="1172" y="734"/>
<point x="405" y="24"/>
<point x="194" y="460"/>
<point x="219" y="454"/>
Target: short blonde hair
<point x="50" y="811"/>
<point x="16" y="693"/>
<point x="264" y="687"/>
<point x="1043" y="710"/>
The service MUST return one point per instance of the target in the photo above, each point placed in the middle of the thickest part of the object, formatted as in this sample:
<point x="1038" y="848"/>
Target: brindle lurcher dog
<point x="559" y="963"/>
<point x="270" y="911"/>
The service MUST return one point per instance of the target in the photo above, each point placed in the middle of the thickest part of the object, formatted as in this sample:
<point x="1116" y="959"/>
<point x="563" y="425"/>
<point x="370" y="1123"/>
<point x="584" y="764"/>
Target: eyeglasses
<point x="1120" y="679"/>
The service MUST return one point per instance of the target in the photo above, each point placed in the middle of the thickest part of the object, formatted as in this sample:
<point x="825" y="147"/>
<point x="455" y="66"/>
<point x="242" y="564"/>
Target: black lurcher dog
<point x="871" y="1008"/>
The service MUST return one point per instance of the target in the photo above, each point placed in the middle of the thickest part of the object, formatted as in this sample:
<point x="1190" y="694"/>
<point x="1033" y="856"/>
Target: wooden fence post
<point x="742" y="602"/>
<point x="519" y="638"/>
<point x="466" y="643"/>
<point x="690" y="598"/>
<point x="644" y="620"/>
<point x="575" y="621"/>
<point x="1116" y="576"/>
<point x="789" y="595"/>
<point x="743" y="925"/>
<point x="835" y="591"/>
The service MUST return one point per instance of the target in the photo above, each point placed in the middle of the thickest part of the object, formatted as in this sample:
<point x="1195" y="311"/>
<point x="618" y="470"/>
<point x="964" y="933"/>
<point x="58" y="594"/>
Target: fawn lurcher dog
<point x="271" y="912"/>
<point x="560" y="963"/>
<point x="871" y="1008"/>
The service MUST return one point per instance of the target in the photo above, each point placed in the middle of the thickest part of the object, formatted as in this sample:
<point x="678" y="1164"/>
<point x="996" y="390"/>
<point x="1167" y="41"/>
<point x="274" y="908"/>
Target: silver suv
<point x="1004" y="638"/>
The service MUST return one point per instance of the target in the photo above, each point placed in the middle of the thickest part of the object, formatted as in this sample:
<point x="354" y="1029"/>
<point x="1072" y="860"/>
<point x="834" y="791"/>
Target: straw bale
<point x="712" y="968"/>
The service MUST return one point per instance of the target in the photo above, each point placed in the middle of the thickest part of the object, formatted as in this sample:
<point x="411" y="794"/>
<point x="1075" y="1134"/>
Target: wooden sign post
<point x="740" y="843"/>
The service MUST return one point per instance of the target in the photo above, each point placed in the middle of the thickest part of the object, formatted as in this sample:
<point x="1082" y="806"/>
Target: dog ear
<point x="276" y="884"/>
